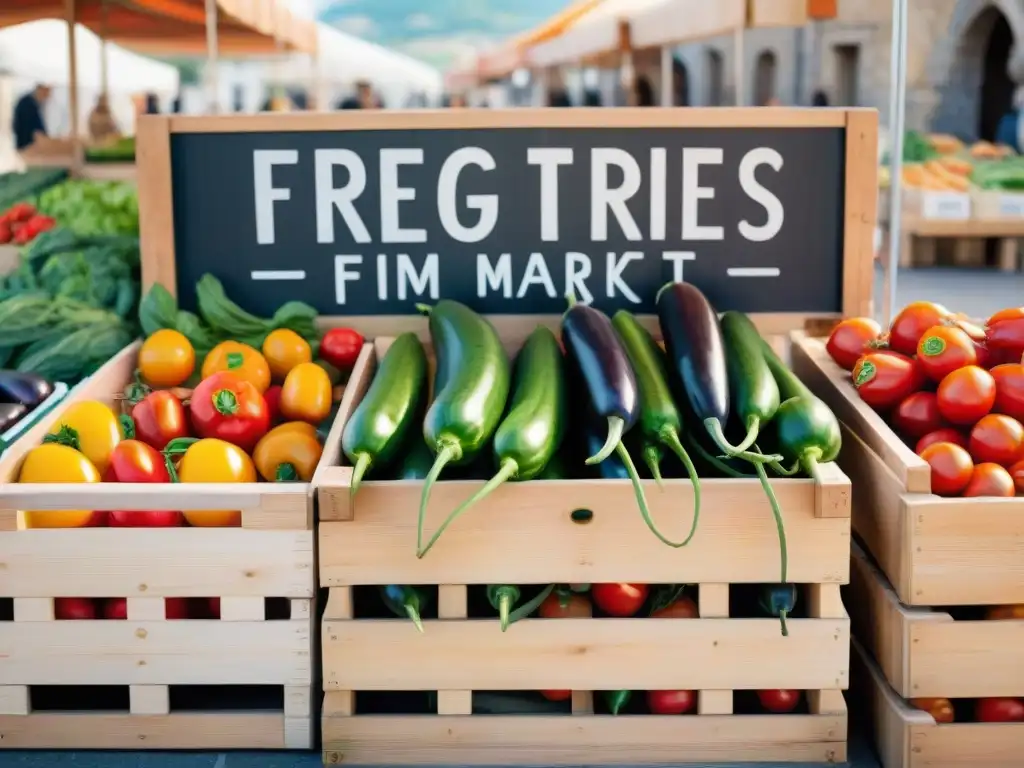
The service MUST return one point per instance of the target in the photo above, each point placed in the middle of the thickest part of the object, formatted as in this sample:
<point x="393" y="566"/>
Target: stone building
<point x="965" y="60"/>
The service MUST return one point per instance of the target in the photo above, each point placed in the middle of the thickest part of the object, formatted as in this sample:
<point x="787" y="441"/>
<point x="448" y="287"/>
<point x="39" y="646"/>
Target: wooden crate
<point x="935" y="551"/>
<point x="524" y="534"/>
<point x="907" y="737"/>
<point x="263" y="568"/>
<point x="924" y="652"/>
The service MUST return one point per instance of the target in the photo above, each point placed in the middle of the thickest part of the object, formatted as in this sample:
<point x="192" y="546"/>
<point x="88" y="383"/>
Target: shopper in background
<point x="28" y="121"/>
<point x="591" y="98"/>
<point x="102" y="127"/>
<point x="819" y="99"/>
<point x="559" y="97"/>
<point x="152" y="104"/>
<point x="364" y="98"/>
<point x="643" y="92"/>
<point x="1010" y="126"/>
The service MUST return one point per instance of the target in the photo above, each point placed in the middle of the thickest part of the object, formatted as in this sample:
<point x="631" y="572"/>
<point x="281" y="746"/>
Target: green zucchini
<point x="474" y="370"/>
<point x="378" y="426"/>
<point x="660" y="420"/>
<point x="535" y="425"/>
<point x="403" y="600"/>
<point x="755" y="395"/>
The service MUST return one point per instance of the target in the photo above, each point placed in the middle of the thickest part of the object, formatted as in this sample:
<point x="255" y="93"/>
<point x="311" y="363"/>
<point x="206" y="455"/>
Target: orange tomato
<point x="990" y="480"/>
<point x="1001" y="612"/>
<point x="215" y="461"/>
<point x="241" y="360"/>
<point x="939" y="708"/>
<point x="166" y="359"/>
<point x="284" y="349"/>
<point x="306" y="394"/>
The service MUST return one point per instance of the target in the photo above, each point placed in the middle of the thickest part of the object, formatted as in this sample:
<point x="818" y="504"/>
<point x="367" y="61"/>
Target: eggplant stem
<point x="641" y="499"/>
<point x="670" y="439"/>
<point x="809" y="461"/>
<point x="777" y="513"/>
<point x="362" y="466"/>
<point x="651" y="460"/>
<point x="782" y="618"/>
<point x="616" y="426"/>
<point x="714" y="428"/>
<point x="529" y="607"/>
<point x="509" y="469"/>
<point x="450" y="452"/>
<point x="414" y="614"/>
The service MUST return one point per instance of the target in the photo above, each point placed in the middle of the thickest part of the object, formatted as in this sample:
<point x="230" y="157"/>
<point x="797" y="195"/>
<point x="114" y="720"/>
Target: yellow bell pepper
<point x="90" y="427"/>
<point x="54" y="463"/>
<point x="288" y="453"/>
<point x="306" y="394"/>
<point x="215" y="461"/>
<point x="283" y="350"/>
<point x="240" y="359"/>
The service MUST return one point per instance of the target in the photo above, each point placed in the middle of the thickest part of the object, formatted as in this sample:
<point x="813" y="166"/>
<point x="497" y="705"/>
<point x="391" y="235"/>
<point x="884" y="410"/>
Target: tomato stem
<point x="225" y="402"/>
<point x="127" y="426"/>
<point x="64" y="436"/>
<point x="932" y="346"/>
<point x="235" y="360"/>
<point x="286" y="473"/>
<point x="864" y="374"/>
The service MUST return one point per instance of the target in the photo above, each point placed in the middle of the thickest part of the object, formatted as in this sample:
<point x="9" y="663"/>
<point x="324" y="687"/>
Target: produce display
<point x="692" y="410"/>
<point x="942" y="163"/>
<point x="20" y="393"/>
<point x="21" y="223"/>
<point x="988" y="710"/>
<point x="119" y="151"/>
<point x="953" y="390"/>
<point x="92" y="207"/>
<point x="23" y="187"/>
<point x="234" y="414"/>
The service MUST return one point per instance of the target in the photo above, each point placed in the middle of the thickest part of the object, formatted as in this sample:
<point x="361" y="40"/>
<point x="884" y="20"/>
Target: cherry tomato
<point x="564" y="605"/>
<point x="966" y="395"/>
<point x="73" y="609"/>
<point x="159" y="418"/>
<point x="1017" y="473"/>
<point x="940" y="709"/>
<point x="620" y="600"/>
<point x="115" y="609"/>
<point x="944" y="435"/>
<point x="340" y="347"/>
<point x="671" y="702"/>
<point x="999" y="710"/>
<point x="943" y="349"/>
<point x="166" y="359"/>
<point x="952" y="468"/>
<point x="917" y="415"/>
<point x="1003" y="612"/>
<point x="683" y="608"/>
<point x="273" y="398"/>
<point x="990" y="480"/>
<point x="780" y="700"/>
<point x="849" y="340"/>
<point x="998" y="439"/>
<point x="912" y="322"/>
<point x="556" y="695"/>
<point x="1009" y="390"/>
<point x="227" y="407"/>
<point x="884" y="380"/>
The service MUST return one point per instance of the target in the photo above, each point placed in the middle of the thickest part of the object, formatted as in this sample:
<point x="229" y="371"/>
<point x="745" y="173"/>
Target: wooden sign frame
<point x="860" y="126"/>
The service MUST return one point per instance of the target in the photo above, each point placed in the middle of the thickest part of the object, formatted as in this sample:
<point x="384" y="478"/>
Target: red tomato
<point x="1017" y="473"/>
<point x="273" y="398"/>
<point x="175" y="608"/>
<point x="911" y="323"/>
<point x="849" y="340"/>
<point x="340" y="347"/>
<point x="940" y="709"/>
<point x="213" y="606"/>
<point x="73" y="608"/>
<point x="5" y="232"/>
<point x="990" y="480"/>
<point x="952" y="468"/>
<point x="620" y="600"/>
<point x="779" y="701"/>
<point x="999" y="710"/>
<point x="133" y="461"/>
<point x="159" y="418"/>
<point x="884" y="380"/>
<point x="966" y="395"/>
<point x="20" y="212"/>
<point x="561" y="606"/>
<point x="671" y="702"/>
<point x="1011" y="313"/>
<point x="115" y="609"/>
<point x="1009" y="380"/>
<point x="229" y="408"/>
<point x="683" y="608"/>
<point x="98" y="520"/>
<point x="943" y="349"/>
<point x="556" y="695"/>
<point x="944" y="435"/>
<point x="1006" y="335"/>
<point x="917" y="415"/>
<point x="998" y="439"/>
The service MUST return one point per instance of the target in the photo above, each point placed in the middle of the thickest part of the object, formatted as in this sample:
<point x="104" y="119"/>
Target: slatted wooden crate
<point x="934" y="551"/>
<point x="525" y="534"/>
<point x="262" y="571"/>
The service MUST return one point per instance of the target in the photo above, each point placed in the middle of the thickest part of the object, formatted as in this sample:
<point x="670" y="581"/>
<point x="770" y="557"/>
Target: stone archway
<point x="765" y="78"/>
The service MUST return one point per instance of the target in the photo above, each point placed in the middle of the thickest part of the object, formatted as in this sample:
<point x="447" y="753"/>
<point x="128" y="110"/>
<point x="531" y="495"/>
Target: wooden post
<point x="211" y="55"/>
<point x="76" y="144"/>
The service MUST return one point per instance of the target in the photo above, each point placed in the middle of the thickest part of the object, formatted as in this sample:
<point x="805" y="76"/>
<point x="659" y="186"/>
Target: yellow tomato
<point x="288" y="453"/>
<point x="306" y="394"/>
<point x="92" y="428"/>
<point x="166" y="359"/>
<point x="53" y="463"/>
<point x="215" y="461"/>
<point x="241" y="360"/>
<point x="284" y="349"/>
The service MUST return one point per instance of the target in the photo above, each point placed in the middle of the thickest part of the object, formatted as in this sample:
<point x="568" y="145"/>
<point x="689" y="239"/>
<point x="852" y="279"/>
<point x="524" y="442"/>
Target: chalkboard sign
<point x="370" y="213"/>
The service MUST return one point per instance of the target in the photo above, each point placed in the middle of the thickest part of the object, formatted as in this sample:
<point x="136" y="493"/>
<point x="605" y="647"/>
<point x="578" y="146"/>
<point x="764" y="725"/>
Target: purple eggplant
<point x="11" y="414"/>
<point x="601" y="362"/>
<point x="25" y="388"/>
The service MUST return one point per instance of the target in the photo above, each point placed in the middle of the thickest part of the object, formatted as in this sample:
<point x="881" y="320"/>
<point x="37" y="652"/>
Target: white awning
<point x="594" y="34"/>
<point x="672" y="22"/>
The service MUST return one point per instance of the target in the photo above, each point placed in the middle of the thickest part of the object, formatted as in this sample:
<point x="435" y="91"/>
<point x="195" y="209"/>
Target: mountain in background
<point x="436" y="31"/>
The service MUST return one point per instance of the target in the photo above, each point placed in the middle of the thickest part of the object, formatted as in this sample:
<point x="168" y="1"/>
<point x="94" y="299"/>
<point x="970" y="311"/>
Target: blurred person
<point x="152" y="104"/>
<point x="819" y="99"/>
<point x="591" y="98"/>
<point x="1010" y="126"/>
<point x="559" y="97"/>
<point x="643" y="92"/>
<point x="680" y="84"/>
<point x="102" y="126"/>
<point x="28" y="124"/>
